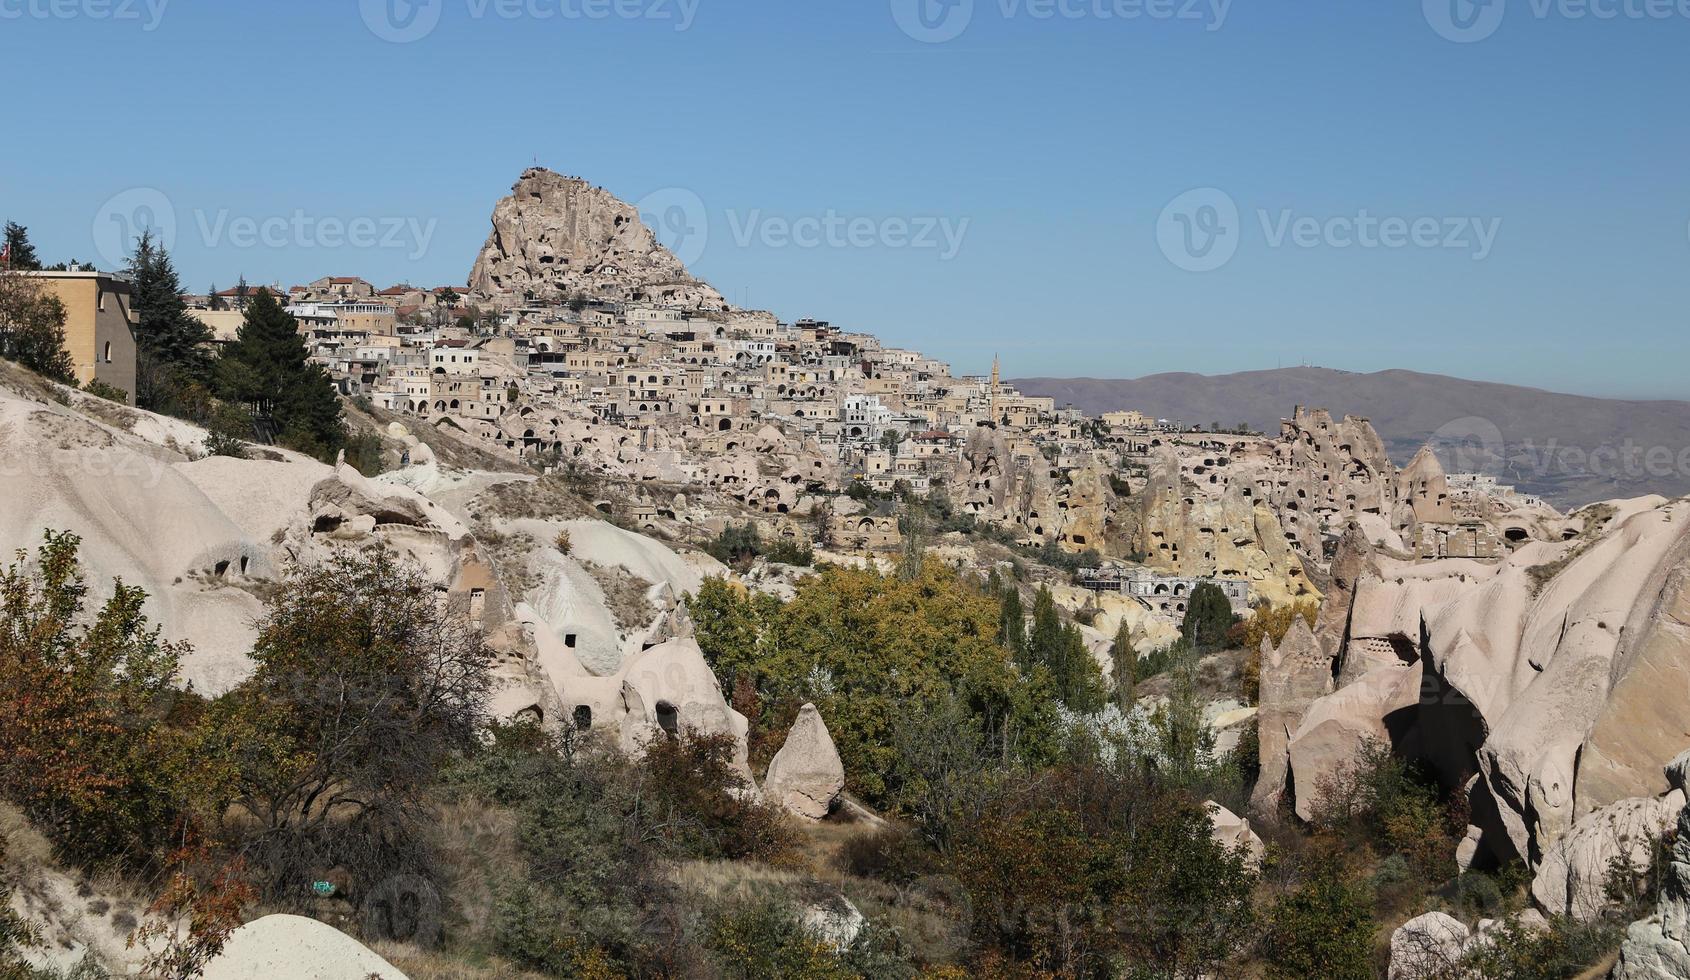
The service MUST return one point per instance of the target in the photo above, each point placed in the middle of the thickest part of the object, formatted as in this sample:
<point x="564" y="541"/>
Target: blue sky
<point x="1526" y="185"/>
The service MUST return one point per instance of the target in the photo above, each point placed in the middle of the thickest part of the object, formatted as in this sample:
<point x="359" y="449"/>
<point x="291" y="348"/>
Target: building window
<point x="108" y="352"/>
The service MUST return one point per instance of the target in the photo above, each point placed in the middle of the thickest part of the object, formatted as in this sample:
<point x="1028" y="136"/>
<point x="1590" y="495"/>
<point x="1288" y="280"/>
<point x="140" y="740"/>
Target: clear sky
<point x="959" y="176"/>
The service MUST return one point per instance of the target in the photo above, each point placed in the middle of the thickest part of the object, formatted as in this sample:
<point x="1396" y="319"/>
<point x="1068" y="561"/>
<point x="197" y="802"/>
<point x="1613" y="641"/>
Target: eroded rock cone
<point x="806" y="776"/>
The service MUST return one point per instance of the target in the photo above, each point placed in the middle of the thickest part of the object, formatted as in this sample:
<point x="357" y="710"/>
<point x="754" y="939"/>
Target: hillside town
<point x="632" y="491"/>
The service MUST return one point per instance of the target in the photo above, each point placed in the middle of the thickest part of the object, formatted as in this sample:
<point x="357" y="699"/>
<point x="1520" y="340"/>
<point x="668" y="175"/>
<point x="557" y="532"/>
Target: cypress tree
<point x="1013" y="625"/>
<point x="1207" y="617"/>
<point x="267" y="368"/>
<point x="22" y="253"/>
<point x="1125" y="659"/>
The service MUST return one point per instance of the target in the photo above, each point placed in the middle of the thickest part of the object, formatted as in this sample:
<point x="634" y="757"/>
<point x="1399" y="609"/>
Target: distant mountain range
<point x="1570" y="449"/>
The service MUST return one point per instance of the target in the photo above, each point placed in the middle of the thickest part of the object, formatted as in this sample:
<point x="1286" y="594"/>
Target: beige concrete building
<point x="99" y="325"/>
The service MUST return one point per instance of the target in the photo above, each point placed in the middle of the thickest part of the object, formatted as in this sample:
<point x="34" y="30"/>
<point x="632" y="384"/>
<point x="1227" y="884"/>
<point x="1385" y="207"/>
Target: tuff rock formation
<point x="806" y="775"/>
<point x="1658" y="948"/>
<point x="294" y="946"/>
<point x="555" y="237"/>
<point x="1189" y="533"/>
<point x="1293" y="677"/>
<point x="1427" y="946"/>
<point x="1233" y="832"/>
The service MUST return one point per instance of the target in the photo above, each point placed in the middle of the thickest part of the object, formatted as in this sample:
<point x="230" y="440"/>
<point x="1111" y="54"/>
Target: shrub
<point x="1324" y="928"/>
<point x="110" y="393"/>
<point x="893" y="853"/>
<point x="87" y="744"/>
<point x="219" y="444"/>
<point x="365" y="686"/>
<point x="1073" y="870"/>
<point x="562" y="543"/>
<point x="701" y="800"/>
<point x="763" y="938"/>
<point x="1568" y="948"/>
<point x="1383" y="801"/>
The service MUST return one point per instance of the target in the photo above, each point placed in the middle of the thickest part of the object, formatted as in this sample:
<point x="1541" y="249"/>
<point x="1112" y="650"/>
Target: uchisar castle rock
<point x="583" y="386"/>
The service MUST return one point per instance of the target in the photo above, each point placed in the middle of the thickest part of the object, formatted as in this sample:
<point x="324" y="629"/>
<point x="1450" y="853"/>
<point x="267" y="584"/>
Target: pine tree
<point x="267" y="368"/>
<point x="21" y="253"/>
<point x="166" y="334"/>
<point x="212" y="300"/>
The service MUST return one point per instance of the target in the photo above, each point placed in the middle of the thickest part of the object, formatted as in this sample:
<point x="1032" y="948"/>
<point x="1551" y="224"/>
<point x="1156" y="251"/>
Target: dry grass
<point x="624" y="595"/>
<point x="1596" y="519"/>
<point x="478" y="851"/>
<point x="546" y="498"/>
<point x="420" y="964"/>
<point x="450" y="448"/>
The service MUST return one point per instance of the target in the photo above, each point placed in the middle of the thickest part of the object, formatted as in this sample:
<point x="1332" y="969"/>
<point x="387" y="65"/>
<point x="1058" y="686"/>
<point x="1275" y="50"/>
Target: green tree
<point x="365" y="686"/>
<point x="870" y="650"/>
<point x="32" y="328"/>
<point x="85" y="745"/>
<point x="1061" y="650"/>
<point x="1075" y="870"/>
<point x="1208" y="616"/>
<point x="20" y="253"/>
<point x="267" y="368"/>
<point x="166" y="334"/>
<point x="1324" y="928"/>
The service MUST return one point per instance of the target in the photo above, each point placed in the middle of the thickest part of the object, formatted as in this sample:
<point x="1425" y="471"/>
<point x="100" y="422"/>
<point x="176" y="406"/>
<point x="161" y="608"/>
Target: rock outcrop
<point x="296" y="947"/>
<point x="1658" y="948"/>
<point x="1293" y="676"/>
<point x="556" y="237"/>
<point x="806" y="775"/>
<point x="1572" y="878"/>
<point x="1427" y="946"/>
<point x="1233" y="832"/>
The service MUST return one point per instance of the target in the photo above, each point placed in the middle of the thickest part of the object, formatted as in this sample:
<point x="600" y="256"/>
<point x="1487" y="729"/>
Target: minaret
<point x="994" y="408"/>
